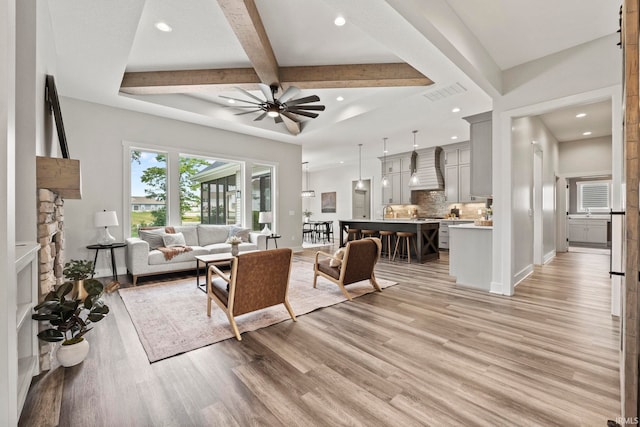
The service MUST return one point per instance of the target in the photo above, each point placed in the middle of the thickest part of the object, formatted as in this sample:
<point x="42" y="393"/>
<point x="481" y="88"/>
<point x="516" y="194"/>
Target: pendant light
<point x="307" y="192"/>
<point x="385" y="180"/>
<point x="414" y="180"/>
<point x="360" y="184"/>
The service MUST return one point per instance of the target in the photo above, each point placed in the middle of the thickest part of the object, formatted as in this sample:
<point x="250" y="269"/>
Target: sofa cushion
<point x="242" y="233"/>
<point x="176" y="239"/>
<point x="152" y="237"/>
<point x="210" y="234"/>
<point x="219" y="248"/>
<point x="157" y="258"/>
<point x="190" y="233"/>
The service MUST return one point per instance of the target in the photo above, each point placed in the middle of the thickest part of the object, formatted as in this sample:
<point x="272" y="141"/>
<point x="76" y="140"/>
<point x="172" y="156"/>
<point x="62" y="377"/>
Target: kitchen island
<point x="426" y="232"/>
<point x="470" y="255"/>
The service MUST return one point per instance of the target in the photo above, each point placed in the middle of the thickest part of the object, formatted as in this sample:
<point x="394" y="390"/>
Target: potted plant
<point x="70" y="319"/>
<point x="77" y="271"/>
<point x="307" y="214"/>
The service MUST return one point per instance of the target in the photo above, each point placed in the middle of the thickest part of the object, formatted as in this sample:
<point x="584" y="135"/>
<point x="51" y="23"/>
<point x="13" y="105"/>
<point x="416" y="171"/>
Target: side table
<point x="111" y="247"/>
<point x="273" y="237"/>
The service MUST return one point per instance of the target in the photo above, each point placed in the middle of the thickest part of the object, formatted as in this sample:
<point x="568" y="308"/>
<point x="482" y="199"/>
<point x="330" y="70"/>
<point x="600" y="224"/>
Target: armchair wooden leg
<point x="208" y="306"/>
<point x="374" y="283"/>
<point x="345" y="292"/>
<point x="315" y="277"/>
<point x="290" y="310"/>
<point x="234" y="326"/>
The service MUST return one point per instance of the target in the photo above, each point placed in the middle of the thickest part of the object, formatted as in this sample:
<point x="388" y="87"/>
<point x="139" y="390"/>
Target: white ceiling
<point x="565" y="126"/>
<point x="96" y="41"/>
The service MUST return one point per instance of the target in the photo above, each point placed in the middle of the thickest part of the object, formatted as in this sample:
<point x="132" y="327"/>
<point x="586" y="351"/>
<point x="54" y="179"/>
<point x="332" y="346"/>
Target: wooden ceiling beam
<point x="245" y="21"/>
<point x="353" y="75"/>
<point x="160" y="82"/>
<point x="313" y="77"/>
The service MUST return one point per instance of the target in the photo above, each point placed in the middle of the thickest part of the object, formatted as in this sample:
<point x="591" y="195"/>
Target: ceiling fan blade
<point x="289" y="116"/>
<point x="247" y="112"/>
<point x="288" y="94"/>
<point x="249" y="94"/>
<point x="242" y="100"/>
<point x="278" y="119"/>
<point x="266" y="91"/>
<point x="306" y="99"/>
<point x="303" y="113"/>
<point x="242" y="106"/>
<point x="308" y="107"/>
<point x="260" y="117"/>
<point x="293" y="126"/>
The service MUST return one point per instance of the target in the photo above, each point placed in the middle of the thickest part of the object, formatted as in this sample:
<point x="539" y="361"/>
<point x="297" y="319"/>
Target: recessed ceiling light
<point x="339" y="98"/>
<point x="454" y="137"/>
<point x="587" y="133"/>
<point x="581" y="115"/>
<point x="231" y="101"/>
<point x="455" y="110"/>
<point x="341" y="162"/>
<point x="340" y="21"/>
<point x="163" y="26"/>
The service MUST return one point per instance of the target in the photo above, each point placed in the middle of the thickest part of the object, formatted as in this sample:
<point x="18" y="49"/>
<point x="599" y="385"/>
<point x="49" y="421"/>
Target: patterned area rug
<point x="171" y="318"/>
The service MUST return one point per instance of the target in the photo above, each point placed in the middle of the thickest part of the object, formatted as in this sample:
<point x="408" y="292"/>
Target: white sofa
<point x="203" y="239"/>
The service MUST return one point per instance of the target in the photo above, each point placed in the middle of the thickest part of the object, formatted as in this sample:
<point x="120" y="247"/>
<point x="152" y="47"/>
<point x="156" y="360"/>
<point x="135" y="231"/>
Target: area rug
<point x="171" y="317"/>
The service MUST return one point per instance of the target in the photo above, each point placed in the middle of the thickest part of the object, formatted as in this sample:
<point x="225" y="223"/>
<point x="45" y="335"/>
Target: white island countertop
<point x="472" y="226"/>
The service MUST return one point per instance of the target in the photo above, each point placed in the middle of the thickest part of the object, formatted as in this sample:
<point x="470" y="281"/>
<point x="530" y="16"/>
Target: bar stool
<point x="388" y="234"/>
<point x="353" y="234"/>
<point x="367" y="233"/>
<point x="407" y="235"/>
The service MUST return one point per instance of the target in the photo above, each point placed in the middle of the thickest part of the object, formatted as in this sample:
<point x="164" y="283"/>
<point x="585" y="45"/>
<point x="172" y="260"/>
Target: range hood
<point x="428" y="170"/>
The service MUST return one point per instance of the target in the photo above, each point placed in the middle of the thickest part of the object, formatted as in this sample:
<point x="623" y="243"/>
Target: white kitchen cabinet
<point x="457" y="173"/>
<point x="398" y="174"/>
<point x="588" y="231"/>
<point x="480" y="134"/>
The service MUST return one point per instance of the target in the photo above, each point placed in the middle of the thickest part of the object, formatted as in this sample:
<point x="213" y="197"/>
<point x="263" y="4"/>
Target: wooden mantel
<point x="59" y="175"/>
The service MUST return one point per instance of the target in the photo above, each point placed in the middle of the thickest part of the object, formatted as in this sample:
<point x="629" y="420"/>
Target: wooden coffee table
<point x="215" y="259"/>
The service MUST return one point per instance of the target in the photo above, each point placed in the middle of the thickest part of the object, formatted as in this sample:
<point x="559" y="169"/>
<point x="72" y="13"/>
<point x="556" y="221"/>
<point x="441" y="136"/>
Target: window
<point x="192" y="171"/>
<point x="260" y="193"/>
<point x="148" y="189"/>
<point x="594" y="196"/>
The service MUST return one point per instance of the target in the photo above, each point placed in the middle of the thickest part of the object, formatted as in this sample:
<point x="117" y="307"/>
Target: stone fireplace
<point x="56" y="179"/>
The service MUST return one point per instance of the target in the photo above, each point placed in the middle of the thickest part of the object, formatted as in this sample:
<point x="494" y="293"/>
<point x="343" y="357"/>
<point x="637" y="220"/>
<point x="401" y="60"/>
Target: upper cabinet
<point x="457" y="173"/>
<point x="397" y="172"/>
<point x="481" y="152"/>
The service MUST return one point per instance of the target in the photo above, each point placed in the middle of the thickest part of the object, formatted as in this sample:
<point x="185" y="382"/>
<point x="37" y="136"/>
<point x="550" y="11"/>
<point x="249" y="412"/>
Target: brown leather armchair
<point x="258" y="280"/>
<point x="359" y="260"/>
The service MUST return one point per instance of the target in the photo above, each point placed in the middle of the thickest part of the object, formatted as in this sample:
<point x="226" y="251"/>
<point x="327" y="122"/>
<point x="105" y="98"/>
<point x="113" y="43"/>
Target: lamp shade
<point x="105" y="219"/>
<point x="265" y="218"/>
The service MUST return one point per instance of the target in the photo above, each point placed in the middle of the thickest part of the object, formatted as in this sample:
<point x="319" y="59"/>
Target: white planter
<point x="71" y="355"/>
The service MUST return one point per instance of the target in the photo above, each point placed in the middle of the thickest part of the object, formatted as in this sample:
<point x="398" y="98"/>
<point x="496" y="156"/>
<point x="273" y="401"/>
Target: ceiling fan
<point x="281" y="109"/>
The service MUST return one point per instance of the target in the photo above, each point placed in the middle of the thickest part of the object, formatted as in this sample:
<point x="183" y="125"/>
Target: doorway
<point x="361" y="200"/>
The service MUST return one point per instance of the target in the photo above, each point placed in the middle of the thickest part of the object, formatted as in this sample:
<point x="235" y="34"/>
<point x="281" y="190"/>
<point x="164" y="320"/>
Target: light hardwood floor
<point x="423" y="352"/>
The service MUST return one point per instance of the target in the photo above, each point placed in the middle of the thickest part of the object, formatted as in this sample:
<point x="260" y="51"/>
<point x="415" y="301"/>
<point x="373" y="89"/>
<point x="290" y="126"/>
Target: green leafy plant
<point x="307" y="213"/>
<point x="70" y="319"/>
<point x="78" y="269"/>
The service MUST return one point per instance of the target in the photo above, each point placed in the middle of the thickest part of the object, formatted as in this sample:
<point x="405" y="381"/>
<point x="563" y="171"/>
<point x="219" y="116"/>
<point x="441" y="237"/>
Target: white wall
<point x="585" y="157"/>
<point x="585" y="73"/>
<point x="96" y="135"/>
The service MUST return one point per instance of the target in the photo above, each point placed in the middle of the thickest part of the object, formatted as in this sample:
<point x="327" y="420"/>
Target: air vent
<point x="445" y="92"/>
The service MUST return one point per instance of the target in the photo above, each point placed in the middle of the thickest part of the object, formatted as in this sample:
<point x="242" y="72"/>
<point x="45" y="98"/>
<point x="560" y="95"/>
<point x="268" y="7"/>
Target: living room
<point x="100" y="135"/>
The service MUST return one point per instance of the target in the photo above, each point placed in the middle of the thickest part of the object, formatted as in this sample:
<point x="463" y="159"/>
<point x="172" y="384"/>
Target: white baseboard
<point x="522" y="274"/>
<point x="548" y="257"/>
<point x="495" y="288"/>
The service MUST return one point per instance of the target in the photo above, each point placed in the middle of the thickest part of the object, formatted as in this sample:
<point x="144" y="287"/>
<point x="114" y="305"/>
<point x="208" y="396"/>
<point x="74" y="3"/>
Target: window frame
<point x="580" y="185"/>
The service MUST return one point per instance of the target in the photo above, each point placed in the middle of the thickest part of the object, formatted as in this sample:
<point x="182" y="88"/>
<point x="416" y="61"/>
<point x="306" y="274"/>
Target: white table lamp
<point x="105" y="219"/>
<point x="265" y="218"/>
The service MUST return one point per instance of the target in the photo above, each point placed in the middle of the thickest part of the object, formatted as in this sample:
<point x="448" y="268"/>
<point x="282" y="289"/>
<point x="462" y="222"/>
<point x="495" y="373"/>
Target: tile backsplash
<point x="432" y="204"/>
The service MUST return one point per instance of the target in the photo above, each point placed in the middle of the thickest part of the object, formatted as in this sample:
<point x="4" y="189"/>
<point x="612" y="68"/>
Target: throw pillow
<point x="339" y="255"/>
<point x="152" y="237"/>
<point x="242" y="233"/>
<point x="176" y="239"/>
